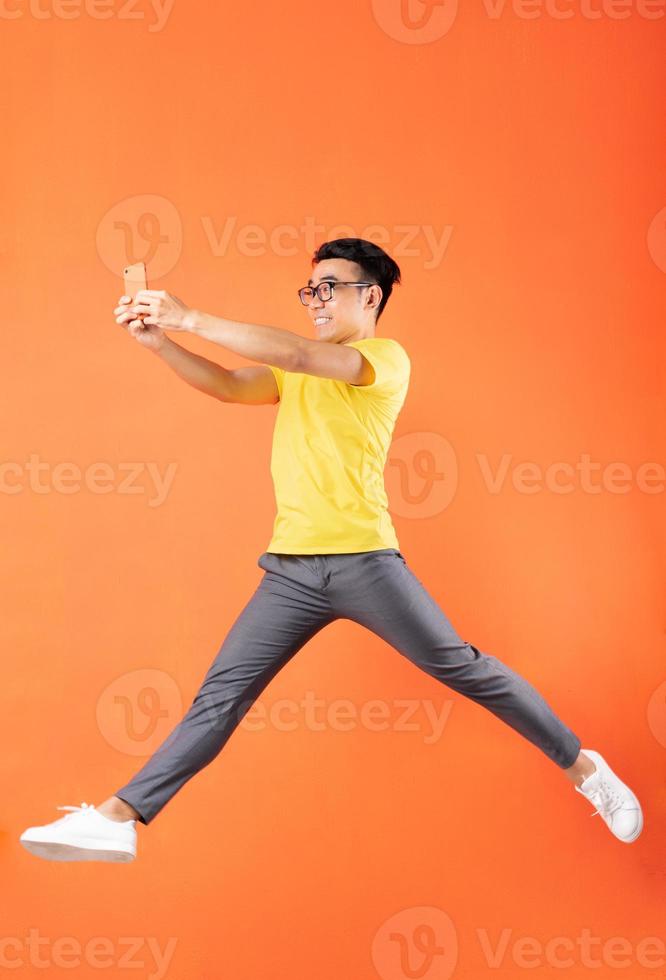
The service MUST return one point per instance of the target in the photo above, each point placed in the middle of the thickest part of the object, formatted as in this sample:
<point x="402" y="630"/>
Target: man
<point x="334" y="552"/>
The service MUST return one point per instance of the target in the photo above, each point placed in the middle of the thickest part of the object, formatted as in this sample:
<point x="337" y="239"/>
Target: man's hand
<point x="151" y="336"/>
<point x="154" y="309"/>
<point x="160" y="309"/>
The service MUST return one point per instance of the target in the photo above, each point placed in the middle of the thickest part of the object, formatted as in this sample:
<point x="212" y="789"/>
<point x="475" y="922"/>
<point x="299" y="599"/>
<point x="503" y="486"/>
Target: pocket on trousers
<point x="399" y="555"/>
<point x="391" y="553"/>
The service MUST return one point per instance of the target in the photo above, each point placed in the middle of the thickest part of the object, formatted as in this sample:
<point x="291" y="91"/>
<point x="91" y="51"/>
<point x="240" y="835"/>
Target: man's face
<point x="350" y="312"/>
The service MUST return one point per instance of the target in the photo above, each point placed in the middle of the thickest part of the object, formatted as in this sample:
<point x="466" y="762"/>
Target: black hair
<point x="377" y="267"/>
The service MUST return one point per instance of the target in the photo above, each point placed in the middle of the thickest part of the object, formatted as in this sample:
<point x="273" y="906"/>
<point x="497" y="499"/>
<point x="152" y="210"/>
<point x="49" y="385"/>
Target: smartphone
<point x="135" y="279"/>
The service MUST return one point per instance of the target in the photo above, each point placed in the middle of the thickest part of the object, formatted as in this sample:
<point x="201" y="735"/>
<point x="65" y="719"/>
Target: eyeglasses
<point x="325" y="290"/>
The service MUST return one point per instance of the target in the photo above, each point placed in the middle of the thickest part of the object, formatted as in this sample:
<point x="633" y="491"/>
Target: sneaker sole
<point x="626" y="840"/>
<point x="636" y="833"/>
<point x="58" y="851"/>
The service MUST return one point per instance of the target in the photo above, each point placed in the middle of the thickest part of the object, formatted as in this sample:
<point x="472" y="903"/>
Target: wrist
<point x="192" y="321"/>
<point x="166" y="343"/>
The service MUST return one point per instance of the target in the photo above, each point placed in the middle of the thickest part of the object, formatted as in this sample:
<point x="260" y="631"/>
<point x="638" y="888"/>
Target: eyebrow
<point x="325" y="279"/>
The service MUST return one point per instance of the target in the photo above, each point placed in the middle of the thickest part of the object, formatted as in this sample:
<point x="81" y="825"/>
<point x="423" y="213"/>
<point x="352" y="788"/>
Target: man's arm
<point x="269" y="345"/>
<point x="336" y="361"/>
<point x="246" y="385"/>
<point x="282" y="348"/>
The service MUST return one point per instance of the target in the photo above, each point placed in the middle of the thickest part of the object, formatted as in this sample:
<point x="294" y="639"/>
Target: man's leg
<point x="378" y="590"/>
<point x="286" y="610"/>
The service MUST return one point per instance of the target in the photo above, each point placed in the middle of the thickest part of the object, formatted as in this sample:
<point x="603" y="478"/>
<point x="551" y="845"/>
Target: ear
<point x="374" y="296"/>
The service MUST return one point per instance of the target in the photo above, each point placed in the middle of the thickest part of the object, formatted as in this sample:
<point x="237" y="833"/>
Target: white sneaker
<point x="616" y="803"/>
<point x="83" y="835"/>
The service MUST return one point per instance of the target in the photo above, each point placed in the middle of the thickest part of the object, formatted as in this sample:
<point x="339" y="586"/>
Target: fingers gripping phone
<point x="135" y="279"/>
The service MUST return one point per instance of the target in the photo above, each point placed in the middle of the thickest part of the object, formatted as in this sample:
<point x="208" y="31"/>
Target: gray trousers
<point x="299" y="595"/>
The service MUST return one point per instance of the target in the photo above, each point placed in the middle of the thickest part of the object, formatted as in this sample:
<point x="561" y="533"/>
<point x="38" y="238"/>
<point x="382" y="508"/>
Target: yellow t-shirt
<point x="330" y="444"/>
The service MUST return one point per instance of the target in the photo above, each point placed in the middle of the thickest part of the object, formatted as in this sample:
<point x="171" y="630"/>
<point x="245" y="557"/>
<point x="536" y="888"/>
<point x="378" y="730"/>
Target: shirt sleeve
<point x="390" y="361"/>
<point x="279" y="377"/>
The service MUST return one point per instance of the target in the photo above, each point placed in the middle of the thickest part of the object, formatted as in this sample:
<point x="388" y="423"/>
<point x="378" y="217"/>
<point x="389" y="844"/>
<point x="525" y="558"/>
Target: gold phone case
<point x="135" y="279"/>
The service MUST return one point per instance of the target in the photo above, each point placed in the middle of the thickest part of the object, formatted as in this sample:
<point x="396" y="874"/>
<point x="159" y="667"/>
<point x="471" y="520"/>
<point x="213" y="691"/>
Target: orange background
<point x="539" y="335"/>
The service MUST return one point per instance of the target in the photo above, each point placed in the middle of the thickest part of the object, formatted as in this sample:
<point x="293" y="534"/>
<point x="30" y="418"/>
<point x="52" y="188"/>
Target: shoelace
<point x="606" y="799"/>
<point x="77" y="809"/>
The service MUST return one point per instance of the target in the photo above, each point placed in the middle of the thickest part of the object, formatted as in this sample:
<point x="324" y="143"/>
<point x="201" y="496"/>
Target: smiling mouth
<point x="321" y="320"/>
